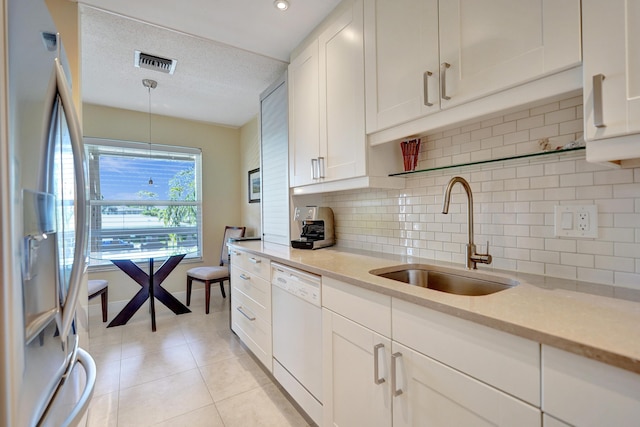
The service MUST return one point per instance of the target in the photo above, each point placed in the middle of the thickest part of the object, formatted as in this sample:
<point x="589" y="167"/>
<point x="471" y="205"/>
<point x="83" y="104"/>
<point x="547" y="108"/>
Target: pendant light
<point x="149" y="84"/>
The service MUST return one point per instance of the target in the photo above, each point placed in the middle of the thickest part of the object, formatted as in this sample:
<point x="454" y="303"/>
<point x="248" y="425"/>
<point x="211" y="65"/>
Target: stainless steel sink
<point x="447" y="280"/>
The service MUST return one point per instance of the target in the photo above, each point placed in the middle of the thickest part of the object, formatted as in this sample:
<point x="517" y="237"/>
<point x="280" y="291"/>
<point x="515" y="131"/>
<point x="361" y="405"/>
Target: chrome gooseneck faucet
<point x="472" y="256"/>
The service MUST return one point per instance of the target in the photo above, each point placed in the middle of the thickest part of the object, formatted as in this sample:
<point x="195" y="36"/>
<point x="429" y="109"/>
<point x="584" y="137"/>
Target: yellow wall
<point x="221" y="189"/>
<point x="250" y="159"/>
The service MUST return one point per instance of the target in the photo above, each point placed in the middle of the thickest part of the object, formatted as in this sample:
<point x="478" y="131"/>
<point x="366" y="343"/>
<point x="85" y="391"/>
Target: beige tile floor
<point x="193" y="371"/>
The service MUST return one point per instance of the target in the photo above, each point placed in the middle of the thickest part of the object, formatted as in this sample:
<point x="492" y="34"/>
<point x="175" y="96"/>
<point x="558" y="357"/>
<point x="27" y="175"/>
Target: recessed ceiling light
<point x="281" y="4"/>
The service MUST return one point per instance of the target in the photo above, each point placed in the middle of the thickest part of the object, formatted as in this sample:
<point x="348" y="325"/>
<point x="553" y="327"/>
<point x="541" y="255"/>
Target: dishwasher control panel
<point x="297" y="282"/>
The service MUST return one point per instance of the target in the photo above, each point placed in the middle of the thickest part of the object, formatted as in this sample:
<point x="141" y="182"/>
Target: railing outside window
<point x="143" y="197"/>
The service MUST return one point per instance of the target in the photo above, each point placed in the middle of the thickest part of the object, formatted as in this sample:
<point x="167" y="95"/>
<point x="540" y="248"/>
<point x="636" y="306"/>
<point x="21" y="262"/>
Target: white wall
<point x="221" y="190"/>
<point x="513" y="202"/>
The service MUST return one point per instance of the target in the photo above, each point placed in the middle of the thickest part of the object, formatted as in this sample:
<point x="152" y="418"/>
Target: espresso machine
<point x="316" y="224"/>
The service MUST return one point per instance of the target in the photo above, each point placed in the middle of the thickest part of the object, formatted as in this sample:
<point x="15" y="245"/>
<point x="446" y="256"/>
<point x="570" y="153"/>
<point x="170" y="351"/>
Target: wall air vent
<point x="156" y="63"/>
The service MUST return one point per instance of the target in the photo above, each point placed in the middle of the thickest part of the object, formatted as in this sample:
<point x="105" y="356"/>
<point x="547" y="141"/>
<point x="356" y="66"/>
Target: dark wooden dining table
<point x="150" y="284"/>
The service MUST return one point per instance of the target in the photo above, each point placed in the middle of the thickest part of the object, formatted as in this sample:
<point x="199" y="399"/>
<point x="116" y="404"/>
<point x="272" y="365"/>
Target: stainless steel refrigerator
<point x="47" y="380"/>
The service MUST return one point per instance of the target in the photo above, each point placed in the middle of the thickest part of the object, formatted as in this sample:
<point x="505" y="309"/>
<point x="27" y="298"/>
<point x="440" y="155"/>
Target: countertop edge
<point x="627" y="362"/>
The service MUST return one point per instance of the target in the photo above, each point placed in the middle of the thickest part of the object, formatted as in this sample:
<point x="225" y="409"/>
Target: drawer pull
<point x="255" y="260"/>
<point x="376" y="374"/>
<point x="251" y="318"/>
<point x="394" y="374"/>
<point x="598" y="121"/>
<point x="236" y="253"/>
<point x="443" y="80"/>
<point x="244" y="277"/>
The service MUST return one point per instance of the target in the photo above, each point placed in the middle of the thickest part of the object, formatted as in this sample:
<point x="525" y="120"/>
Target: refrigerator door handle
<point x="81" y="226"/>
<point x="81" y="407"/>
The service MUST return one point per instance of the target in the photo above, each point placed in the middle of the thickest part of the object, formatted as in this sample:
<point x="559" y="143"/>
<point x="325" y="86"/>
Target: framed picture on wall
<point x="254" y="186"/>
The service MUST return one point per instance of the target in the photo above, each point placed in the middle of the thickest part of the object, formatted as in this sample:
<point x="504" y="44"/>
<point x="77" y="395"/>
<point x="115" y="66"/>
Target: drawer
<point x="253" y="286"/>
<point x="253" y="330"/>
<point x="254" y="291"/>
<point x="254" y="264"/>
<point x="368" y="308"/>
<point x="504" y="361"/>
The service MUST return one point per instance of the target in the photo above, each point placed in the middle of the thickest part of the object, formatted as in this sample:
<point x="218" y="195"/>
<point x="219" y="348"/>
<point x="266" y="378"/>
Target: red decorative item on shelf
<point x="410" y="151"/>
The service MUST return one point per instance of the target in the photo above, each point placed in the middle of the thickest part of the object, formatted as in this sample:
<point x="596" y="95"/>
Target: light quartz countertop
<point x="540" y="308"/>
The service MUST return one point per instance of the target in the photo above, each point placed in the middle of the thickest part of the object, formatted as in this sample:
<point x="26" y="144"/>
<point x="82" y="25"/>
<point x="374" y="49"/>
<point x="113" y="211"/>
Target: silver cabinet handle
<point x="376" y="375"/>
<point x="425" y="87"/>
<point x="236" y="253"/>
<point x="251" y="318"/>
<point x="244" y="277"/>
<point x="443" y="80"/>
<point x="314" y="169"/>
<point x="394" y="361"/>
<point x="320" y="167"/>
<point x="597" y="101"/>
<point x="255" y="260"/>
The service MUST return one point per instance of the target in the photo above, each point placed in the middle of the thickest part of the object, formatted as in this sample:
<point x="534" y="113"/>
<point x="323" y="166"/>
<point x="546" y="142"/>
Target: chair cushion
<point x="209" y="273"/>
<point x="96" y="285"/>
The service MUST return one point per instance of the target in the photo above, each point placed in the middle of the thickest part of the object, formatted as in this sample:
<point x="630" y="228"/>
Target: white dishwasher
<point x="297" y="336"/>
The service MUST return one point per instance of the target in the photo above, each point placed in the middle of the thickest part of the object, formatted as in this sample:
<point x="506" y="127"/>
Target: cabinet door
<point x="401" y="61"/>
<point x="492" y="45"/>
<point x="611" y="32"/>
<point x="274" y="146"/>
<point x="432" y="394"/>
<point x="342" y="133"/>
<point x="303" y="115"/>
<point x="351" y="394"/>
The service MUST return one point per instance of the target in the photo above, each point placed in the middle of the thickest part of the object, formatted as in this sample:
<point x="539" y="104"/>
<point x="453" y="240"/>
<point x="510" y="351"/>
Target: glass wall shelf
<point x="502" y="159"/>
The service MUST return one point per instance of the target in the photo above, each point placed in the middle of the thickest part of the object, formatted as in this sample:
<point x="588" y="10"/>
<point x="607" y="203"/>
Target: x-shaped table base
<point x="151" y="289"/>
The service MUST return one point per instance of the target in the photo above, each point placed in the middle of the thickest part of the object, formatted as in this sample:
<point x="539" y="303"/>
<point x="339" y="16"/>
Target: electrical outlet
<point x="576" y="221"/>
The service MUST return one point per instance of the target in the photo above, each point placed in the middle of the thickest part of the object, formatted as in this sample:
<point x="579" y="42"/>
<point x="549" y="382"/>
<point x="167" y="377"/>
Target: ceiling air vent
<point x="156" y="63"/>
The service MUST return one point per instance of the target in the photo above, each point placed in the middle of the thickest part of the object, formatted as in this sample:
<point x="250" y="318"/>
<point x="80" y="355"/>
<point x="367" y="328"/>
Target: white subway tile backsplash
<point x="621" y="176"/>
<point x="513" y="202"/>
<point x="563" y="271"/>
<point x="576" y="180"/>
<point x="593" y="275"/>
<point x="614" y="263"/>
<point x="627" y="280"/>
<point x="579" y="260"/>
<point x="530" y="122"/>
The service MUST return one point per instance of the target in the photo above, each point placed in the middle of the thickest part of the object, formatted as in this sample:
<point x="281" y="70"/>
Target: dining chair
<point x="100" y="287"/>
<point x="216" y="274"/>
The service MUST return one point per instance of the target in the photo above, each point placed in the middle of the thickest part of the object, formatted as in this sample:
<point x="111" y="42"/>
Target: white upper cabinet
<point x="451" y="52"/>
<point x="490" y="45"/>
<point x="327" y="136"/>
<point x="401" y="57"/>
<point x="304" y="115"/>
<point x="611" y="37"/>
<point x="342" y="134"/>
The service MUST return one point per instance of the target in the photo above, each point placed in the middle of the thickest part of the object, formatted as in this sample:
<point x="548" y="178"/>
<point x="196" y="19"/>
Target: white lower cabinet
<point x="585" y="392"/>
<point x="372" y="380"/>
<point x="429" y="393"/>
<point x="353" y="394"/>
<point x="251" y="303"/>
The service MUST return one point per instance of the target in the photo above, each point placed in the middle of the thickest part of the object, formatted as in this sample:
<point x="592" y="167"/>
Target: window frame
<point x="130" y="148"/>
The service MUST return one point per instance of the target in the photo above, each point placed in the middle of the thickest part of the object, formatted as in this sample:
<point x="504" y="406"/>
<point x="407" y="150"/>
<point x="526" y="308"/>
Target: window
<point x="143" y="198"/>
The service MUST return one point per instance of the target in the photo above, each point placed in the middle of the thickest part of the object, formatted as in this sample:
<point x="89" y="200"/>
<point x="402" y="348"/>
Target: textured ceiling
<point x="227" y="54"/>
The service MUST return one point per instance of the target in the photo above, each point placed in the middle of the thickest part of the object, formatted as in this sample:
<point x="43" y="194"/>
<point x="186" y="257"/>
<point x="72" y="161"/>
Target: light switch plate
<point x="576" y="221"/>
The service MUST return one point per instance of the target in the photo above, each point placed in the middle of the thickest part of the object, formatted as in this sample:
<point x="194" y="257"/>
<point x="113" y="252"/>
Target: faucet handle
<point x="487" y="253"/>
